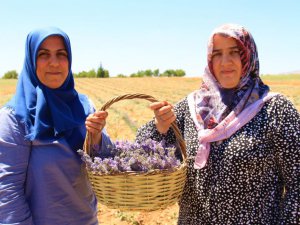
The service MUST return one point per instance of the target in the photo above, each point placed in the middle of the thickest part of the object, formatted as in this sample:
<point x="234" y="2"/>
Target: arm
<point x="103" y="149"/>
<point x="101" y="141"/>
<point x="94" y="123"/>
<point x="158" y="128"/>
<point x="287" y="143"/>
<point x="164" y="116"/>
<point x="150" y="129"/>
<point x="14" y="157"/>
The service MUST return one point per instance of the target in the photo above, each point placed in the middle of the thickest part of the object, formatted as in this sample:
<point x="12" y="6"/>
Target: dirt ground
<point x="167" y="216"/>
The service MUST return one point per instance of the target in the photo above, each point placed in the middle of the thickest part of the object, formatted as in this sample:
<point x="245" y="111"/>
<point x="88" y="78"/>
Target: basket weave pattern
<point x="136" y="191"/>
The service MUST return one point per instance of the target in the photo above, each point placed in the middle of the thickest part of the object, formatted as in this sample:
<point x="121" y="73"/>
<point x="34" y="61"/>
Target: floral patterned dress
<point x="250" y="178"/>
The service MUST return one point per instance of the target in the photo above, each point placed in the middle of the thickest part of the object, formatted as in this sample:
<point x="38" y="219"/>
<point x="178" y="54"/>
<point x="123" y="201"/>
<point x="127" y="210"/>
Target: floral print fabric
<point x="246" y="174"/>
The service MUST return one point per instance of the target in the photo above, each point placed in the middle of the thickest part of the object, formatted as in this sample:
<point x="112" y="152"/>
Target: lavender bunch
<point x="133" y="156"/>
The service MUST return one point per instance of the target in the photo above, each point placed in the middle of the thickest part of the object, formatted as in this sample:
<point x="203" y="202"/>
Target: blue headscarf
<point x="48" y="114"/>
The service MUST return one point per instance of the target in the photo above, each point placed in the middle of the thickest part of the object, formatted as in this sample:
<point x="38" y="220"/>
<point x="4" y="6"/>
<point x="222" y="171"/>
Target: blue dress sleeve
<point x="103" y="150"/>
<point x="14" y="157"/>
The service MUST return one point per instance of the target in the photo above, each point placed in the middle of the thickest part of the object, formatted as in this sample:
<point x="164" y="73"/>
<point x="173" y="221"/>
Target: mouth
<point x="227" y="72"/>
<point x="53" y="73"/>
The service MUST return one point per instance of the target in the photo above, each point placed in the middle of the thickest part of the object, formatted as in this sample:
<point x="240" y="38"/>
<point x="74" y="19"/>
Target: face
<point x="52" y="65"/>
<point x="226" y="61"/>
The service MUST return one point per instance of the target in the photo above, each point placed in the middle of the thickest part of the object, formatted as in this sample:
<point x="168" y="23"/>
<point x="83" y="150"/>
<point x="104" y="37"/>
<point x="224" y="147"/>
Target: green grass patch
<point x="281" y="77"/>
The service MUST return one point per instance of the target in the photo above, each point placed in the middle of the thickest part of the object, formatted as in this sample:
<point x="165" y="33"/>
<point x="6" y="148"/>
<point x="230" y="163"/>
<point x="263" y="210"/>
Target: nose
<point x="226" y="59"/>
<point x="54" y="61"/>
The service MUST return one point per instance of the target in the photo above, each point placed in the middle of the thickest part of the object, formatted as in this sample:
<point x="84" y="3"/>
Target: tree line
<point x="103" y="73"/>
<point x="12" y="74"/>
<point x="156" y="73"/>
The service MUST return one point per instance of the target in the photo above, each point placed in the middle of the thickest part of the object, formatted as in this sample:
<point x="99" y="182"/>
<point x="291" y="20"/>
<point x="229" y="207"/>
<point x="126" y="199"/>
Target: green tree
<point x="133" y="75"/>
<point x="121" y="75"/>
<point x="100" y="71"/>
<point x="106" y="74"/>
<point x="156" y="73"/>
<point x="12" y="74"/>
<point x="91" y="73"/>
<point x="179" y="73"/>
<point x="173" y="73"/>
<point x="140" y="73"/>
<point x="148" y="73"/>
<point x="82" y="74"/>
<point x="168" y="73"/>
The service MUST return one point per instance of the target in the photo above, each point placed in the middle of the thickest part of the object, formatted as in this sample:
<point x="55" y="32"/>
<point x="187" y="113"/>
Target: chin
<point x="229" y="86"/>
<point x="53" y="85"/>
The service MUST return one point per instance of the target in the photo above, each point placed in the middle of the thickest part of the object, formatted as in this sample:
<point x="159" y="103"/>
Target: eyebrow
<point x="231" y="48"/>
<point x="45" y="49"/>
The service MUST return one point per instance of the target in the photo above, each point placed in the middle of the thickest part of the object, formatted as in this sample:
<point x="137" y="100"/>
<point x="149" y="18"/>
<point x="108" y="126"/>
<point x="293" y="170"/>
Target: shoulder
<point x="11" y="128"/>
<point x="182" y="104"/>
<point x="280" y="98"/>
<point x="182" y="111"/>
<point x="280" y="110"/>
<point x="87" y="103"/>
<point x="280" y="103"/>
<point x="7" y="116"/>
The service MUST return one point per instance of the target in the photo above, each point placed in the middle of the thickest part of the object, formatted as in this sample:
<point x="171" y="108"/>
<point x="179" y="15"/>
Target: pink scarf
<point x="223" y="130"/>
<point x="214" y="118"/>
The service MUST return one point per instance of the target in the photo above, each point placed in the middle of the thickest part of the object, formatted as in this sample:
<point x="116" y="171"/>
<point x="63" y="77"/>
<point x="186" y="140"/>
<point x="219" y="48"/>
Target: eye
<point x="42" y="54"/>
<point x="235" y="52"/>
<point x="216" y="54"/>
<point x="62" y="54"/>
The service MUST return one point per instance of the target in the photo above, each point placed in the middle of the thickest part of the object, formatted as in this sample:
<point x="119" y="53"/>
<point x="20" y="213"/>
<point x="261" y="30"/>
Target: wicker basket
<point x="136" y="191"/>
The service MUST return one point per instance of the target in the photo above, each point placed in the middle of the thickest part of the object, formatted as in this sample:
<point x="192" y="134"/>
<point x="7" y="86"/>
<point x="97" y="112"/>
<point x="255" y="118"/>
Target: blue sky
<point x="131" y="35"/>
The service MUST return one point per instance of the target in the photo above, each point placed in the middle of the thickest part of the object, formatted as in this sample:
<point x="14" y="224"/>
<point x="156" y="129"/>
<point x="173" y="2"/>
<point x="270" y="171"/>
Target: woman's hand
<point x="164" y="115"/>
<point x="94" y="124"/>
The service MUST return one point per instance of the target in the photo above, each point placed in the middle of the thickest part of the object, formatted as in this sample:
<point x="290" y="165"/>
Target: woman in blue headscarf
<point x="42" y="178"/>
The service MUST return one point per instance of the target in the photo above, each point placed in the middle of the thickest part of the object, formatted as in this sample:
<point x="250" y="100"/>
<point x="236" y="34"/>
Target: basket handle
<point x="174" y="126"/>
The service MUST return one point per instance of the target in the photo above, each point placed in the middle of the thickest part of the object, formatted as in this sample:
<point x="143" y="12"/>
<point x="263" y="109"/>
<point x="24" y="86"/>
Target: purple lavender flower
<point x="133" y="156"/>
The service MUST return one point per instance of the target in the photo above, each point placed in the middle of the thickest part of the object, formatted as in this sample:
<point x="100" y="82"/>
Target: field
<point x="127" y="115"/>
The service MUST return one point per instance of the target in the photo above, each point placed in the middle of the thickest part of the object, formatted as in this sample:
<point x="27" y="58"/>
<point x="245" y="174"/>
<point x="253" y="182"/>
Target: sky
<point x="126" y="36"/>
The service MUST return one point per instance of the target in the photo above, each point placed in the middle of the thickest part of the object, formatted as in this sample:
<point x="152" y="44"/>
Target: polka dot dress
<point x="250" y="178"/>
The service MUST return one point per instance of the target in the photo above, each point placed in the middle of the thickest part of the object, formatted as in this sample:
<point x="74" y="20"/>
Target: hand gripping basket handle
<point x="179" y="138"/>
